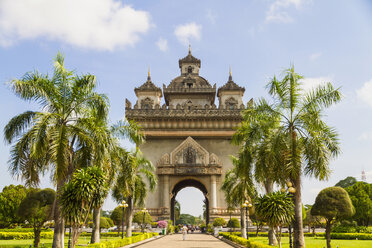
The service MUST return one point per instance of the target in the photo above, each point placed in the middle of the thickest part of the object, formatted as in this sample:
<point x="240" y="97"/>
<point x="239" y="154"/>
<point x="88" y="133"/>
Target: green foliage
<point x="105" y="222"/>
<point x="233" y="223"/>
<point x="24" y="235"/>
<point x="347" y="182"/>
<point x="138" y="218"/>
<point x="36" y="208"/>
<point x="117" y="215"/>
<point x="276" y="208"/>
<point x="361" y="196"/>
<point x="186" y="219"/>
<point x="242" y="241"/>
<point x="219" y="222"/>
<point x="86" y="190"/>
<point x="333" y="203"/>
<point x="122" y="242"/>
<point x="10" y="199"/>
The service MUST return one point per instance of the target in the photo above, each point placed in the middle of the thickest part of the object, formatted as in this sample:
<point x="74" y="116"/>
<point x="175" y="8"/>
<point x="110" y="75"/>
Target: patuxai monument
<point x="188" y="137"/>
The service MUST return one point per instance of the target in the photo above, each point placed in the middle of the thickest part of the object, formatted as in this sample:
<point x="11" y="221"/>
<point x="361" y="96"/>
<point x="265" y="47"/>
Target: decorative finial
<point x="230" y="77"/>
<point x="189" y="49"/>
<point x="148" y="75"/>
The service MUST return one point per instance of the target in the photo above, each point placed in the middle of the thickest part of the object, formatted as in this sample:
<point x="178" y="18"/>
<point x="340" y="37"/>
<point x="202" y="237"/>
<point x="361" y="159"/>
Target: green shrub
<point x="209" y="228"/>
<point x="23" y="230"/>
<point x="122" y="242"/>
<point x="219" y="222"/>
<point x="24" y="235"/>
<point x="243" y="241"/>
<point x="234" y="223"/>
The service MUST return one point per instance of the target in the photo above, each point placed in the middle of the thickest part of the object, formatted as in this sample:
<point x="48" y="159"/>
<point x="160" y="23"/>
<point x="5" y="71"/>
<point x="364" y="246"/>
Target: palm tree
<point x="276" y="209"/>
<point x="258" y="133"/>
<point x="86" y="190"/>
<point x="238" y="184"/>
<point x="110" y="155"/>
<point x="135" y="175"/>
<point x="309" y="142"/>
<point x="47" y="140"/>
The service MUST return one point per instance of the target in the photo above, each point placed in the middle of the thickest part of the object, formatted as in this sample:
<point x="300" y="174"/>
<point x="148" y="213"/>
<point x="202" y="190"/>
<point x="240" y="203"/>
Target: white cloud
<point x="278" y="10"/>
<point x="92" y="24"/>
<point x="365" y="93"/>
<point x="186" y="32"/>
<point x="310" y="83"/>
<point x="314" y="56"/>
<point x="211" y="16"/>
<point x="365" y="136"/>
<point x="162" y="44"/>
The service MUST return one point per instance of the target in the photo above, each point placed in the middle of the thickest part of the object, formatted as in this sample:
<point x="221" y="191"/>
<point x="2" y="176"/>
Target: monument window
<point x="189" y="69"/>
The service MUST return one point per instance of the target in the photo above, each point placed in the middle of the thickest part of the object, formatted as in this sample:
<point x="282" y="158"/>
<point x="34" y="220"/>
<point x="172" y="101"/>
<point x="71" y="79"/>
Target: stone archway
<point x="188" y="183"/>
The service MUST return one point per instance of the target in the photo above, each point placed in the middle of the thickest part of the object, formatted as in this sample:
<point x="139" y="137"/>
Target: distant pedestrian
<point x="184" y="232"/>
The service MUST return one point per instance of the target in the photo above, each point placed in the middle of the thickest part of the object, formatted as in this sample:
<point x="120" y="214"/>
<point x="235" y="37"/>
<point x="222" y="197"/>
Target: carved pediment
<point x="164" y="160"/>
<point x="190" y="152"/>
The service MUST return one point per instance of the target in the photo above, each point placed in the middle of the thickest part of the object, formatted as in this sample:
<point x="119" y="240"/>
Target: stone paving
<point x="192" y="241"/>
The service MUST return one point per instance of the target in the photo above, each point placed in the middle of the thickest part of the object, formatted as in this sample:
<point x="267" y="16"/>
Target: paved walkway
<point x="192" y="241"/>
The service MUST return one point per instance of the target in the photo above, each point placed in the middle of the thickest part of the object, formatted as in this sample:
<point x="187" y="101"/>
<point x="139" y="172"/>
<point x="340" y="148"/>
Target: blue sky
<point x="118" y="40"/>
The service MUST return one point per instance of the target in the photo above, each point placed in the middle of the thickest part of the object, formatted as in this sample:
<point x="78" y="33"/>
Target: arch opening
<point x="184" y="184"/>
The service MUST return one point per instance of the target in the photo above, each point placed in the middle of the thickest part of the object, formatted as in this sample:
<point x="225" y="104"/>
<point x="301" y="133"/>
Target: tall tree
<point x="333" y="204"/>
<point x="238" y="184"/>
<point x="277" y="210"/>
<point x="10" y="200"/>
<point x="347" y="182"/>
<point x="36" y="209"/>
<point x="47" y="140"/>
<point x="135" y="177"/>
<point x="257" y="133"/>
<point x="310" y="143"/>
<point x="361" y="196"/>
<point x="84" y="192"/>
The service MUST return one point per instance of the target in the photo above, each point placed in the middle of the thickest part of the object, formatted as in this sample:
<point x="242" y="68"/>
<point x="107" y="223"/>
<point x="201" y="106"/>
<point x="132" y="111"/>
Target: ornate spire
<point x="148" y="75"/>
<point x="230" y="77"/>
<point x="190" y="49"/>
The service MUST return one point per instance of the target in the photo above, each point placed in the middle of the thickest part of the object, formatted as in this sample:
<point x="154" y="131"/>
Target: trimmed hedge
<point x="361" y="236"/>
<point x="243" y="241"/>
<point x="24" y="235"/>
<point x="24" y="230"/>
<point x="122" y="242"/>
<point x="108" y="234"/>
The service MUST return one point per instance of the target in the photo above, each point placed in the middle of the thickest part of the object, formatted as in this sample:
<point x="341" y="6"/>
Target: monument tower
<point x="188" y="136"/>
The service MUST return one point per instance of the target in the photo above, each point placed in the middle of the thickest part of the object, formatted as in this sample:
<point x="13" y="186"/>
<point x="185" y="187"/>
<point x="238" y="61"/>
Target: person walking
<point x="184" y="232"/>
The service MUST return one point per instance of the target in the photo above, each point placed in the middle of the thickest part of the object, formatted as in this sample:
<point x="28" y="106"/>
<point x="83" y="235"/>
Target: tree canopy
<point x="10" y="200"/>
<point x="347" y="182"/>
<point x="361" y="196"/>
<point x="333" y="204"/>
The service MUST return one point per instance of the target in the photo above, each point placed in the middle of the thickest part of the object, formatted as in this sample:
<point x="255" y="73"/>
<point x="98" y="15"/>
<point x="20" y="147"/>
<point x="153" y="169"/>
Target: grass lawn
<point x="47" y="242"/>
<point x="321" y="242"/>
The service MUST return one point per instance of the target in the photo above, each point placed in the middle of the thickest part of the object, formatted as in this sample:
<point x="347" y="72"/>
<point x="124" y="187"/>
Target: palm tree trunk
<point x="269" y="187"/>
<point x="95" y="238"/>
<point x="298" y="232"/>
<point x="242" y="223"/>
<point x="129" y="217"/>
<point x="59" y="222"/>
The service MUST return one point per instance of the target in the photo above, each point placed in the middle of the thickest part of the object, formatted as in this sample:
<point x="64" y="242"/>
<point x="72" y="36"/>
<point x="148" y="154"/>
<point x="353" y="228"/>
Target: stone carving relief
<point x="164" y="160"/>
<point x="213" y="159"/>
<point x="190" y="152"/>
<point x="231" y="103"/>
<point x="147" y="103"/>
